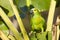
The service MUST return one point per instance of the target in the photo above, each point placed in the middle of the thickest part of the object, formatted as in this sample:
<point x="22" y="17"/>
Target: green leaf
<point x="20" y="3"/>
<point x="10" y="24"/>
<point x="3" y="36"/>
<point x="50" y="35"/>
<point x="4" y="28"/>
<point x="40" y="4"/>
<point x="41" y="36"/>
<point x="11" y="37"/>
<point x="6" y="5"/>
<point x="33" y="37"/>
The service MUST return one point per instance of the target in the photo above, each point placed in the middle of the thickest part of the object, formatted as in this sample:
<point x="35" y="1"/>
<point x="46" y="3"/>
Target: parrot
<point x="37" y="21"/>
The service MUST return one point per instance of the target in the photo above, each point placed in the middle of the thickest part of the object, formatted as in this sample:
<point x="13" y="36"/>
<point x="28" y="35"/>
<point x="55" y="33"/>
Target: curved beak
<point x="31" y="11"/>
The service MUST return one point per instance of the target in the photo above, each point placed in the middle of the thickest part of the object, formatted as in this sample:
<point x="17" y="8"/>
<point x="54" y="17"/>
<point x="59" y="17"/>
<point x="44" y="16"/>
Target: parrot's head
<point x="34" y="10"/>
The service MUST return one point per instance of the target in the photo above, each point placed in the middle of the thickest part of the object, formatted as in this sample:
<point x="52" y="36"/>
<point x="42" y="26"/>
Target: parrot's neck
<point x="37" y="14"/>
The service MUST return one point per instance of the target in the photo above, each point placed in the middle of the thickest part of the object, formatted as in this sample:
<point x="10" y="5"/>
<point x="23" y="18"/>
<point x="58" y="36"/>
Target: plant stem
<point x="9" y="24"/>
<point x="3" y="36"/>
<point x="58" y="21"/>
<point x="19" y="21"/>
<point x="51" y="15"/>
<point x="11" y="37"/>
<point x="28" y="2"/>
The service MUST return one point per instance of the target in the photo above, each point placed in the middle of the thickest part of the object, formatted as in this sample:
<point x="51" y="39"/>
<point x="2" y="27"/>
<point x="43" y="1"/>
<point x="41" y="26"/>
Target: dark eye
<point x="34" y="10"/>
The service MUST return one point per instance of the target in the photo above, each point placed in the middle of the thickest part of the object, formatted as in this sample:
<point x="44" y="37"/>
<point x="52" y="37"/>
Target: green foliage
<point x="4" y="28"/>
<point x="6" y="5"/>
<point x="40" y="4"/>
<point x="41" y="36"/>
<point x="7" y="8"/>
<point x="10" y="24"/>
<point x="50" y="35"/>
<point x="20" y="3"/>
<point x="33" y="36"/>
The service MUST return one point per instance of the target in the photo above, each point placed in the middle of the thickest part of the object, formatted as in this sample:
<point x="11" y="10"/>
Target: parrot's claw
<point x="31" y="33"/>
<point x="42" y="31"/>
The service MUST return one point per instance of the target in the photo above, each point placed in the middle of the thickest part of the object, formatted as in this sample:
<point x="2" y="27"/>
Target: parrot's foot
<point x="31" y="33"/>
<point x="42" y="30"/>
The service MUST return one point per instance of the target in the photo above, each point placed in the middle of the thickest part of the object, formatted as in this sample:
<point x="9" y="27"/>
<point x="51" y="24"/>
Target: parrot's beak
<point x="31" y="11"/>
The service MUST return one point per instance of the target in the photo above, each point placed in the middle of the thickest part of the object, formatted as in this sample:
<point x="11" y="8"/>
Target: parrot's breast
<point x="37" y="20"/>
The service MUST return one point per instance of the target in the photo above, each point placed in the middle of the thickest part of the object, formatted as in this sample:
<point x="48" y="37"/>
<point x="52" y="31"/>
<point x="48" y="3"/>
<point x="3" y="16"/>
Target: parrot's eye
<point x="34" y="10"/>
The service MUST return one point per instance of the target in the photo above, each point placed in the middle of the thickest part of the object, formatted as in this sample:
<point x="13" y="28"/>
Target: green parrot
<point x="37" y="21"/>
